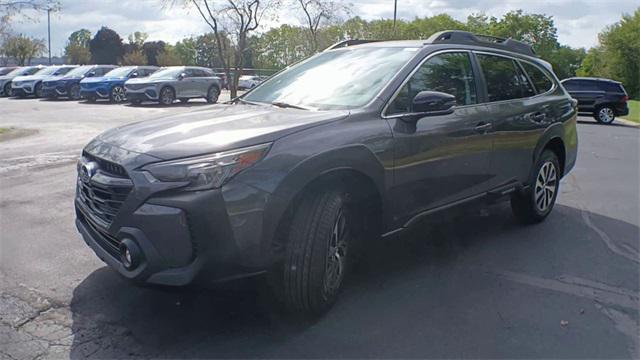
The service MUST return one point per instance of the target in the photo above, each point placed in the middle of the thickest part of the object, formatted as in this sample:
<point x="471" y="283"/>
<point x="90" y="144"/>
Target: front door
<point x="439" y="159"/>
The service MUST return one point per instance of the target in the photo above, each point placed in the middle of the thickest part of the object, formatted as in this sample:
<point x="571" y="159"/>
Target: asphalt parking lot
<point x="476" y="286"/>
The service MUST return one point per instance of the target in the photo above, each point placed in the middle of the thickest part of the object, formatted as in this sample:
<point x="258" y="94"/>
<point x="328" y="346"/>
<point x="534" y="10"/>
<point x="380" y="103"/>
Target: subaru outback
<point x="353" y="143"/>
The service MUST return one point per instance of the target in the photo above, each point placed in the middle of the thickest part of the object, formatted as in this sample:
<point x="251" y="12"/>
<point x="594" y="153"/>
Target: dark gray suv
<point x="320" y="159"/>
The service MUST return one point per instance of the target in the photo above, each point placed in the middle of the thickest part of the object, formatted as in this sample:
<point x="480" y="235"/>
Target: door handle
<point x="482" y="127"/>
<point x="539" y="117"/>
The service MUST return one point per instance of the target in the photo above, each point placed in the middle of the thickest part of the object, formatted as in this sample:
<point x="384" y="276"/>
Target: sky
<point x="578" y="21"/>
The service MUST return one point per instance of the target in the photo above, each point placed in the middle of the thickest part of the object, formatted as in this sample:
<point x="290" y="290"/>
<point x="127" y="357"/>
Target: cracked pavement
<point x="476" y="285"/>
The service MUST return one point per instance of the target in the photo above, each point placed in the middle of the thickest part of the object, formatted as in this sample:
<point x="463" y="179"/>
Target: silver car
<point x="174" y="83"/>
<point x="5" y="80"/>
<point x="28" y="85"/>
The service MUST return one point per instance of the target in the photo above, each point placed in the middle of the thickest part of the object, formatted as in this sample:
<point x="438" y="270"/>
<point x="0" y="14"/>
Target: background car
<point x="603" y="98"/>
<point x="175" y="82"/>
<point x="5" y="81"/>
<point x="249" y="81"/>
<point x="111" y="85"/>
<point x="69" y="85"/>
<point x="32" y="84"/>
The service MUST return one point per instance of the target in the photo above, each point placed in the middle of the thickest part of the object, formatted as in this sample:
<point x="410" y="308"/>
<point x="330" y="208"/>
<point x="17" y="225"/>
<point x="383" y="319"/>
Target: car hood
<point x="207" y="131"/>
<point x="102" y="79"/>
<point x="5" y="78"/>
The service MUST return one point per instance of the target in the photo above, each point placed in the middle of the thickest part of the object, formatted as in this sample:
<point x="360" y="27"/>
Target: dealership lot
<point x="475" y="286"/>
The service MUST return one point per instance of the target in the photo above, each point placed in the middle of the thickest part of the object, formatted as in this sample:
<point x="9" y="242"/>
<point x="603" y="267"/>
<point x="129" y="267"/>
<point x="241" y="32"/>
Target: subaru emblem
<point x="87" y="170"/>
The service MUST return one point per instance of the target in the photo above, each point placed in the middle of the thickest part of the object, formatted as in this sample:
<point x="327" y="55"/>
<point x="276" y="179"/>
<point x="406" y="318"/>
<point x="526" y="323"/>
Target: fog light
<point x="130" y="254"/>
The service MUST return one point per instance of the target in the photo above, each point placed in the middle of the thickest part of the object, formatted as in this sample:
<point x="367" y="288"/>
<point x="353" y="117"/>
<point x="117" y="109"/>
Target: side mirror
<point x="182" y="76"/>
<point x="433" y="103"/>
<point x="91" y="74"/>
<point x="134" y="75"/>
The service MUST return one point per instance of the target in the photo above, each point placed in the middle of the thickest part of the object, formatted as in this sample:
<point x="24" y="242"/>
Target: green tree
<point x="566" y="60"/>
<point x="169" y="57"/>
<point x="187" y="51"/>
<point x="80" y="37"/>
<point x="77" y="49"/>
<point x="23" y="49"/>
<point x="137" y="39"/>
<point x="106" y="47"/>
<point x="135" y="57"/>
<point x="621" y="42"/>
<point x="152" y="50"/>
<point x="535" y="29"/>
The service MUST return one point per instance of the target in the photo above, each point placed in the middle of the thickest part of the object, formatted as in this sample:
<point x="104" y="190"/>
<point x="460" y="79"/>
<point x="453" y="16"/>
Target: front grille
<point x="107" y="166"/>
<point x="136" y="86"/>
<point x="102" y="237"/>
<point x="104" y="194"/>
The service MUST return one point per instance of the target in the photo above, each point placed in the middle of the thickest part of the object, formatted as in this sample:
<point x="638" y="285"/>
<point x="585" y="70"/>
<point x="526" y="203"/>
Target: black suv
<point x="603" y="98"/>
<point x="323" y="157"/>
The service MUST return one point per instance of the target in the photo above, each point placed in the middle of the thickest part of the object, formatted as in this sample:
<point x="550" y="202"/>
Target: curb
<point x="628" y="122"/>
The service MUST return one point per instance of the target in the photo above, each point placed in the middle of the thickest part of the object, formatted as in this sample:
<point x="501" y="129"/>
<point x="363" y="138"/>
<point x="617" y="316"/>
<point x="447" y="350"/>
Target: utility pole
<point x="395" y="13"/>
<point x="49" y="31"/>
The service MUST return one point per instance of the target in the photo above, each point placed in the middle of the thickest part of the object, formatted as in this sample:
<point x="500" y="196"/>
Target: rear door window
<point x="449" y="73"/>
<point x="504" y="79"/>
<point x="540" y="80"/>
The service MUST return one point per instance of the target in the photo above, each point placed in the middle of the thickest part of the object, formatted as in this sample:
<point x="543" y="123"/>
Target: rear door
<point x="444" y="158"/>
<point x="587" y="92"/>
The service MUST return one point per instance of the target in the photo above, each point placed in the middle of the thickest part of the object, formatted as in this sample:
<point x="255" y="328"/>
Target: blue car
<point x="68" y="86"/>
<point x="111" y="85"/>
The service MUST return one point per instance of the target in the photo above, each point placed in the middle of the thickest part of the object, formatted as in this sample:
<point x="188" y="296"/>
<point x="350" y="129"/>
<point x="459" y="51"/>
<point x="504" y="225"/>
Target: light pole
<point x="395" y="13"/>
<point x="49" y="31"/>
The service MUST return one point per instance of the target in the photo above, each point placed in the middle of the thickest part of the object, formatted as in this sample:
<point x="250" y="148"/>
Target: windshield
<point x="340" y="79"/>
<point x="48" y="71"/>
<point x="169" y="73"/>
<point x="79" y="71"/>
<point x="120" y="72"/>
<point x="5" y="71"/>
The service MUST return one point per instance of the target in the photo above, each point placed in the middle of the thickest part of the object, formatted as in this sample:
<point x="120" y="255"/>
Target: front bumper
<point x="54" y="91"/>
<point x="211" y="235"/>
<point x="146" y="94"/>
<point x="23" y="90"/>
<point x="96" y="92"/>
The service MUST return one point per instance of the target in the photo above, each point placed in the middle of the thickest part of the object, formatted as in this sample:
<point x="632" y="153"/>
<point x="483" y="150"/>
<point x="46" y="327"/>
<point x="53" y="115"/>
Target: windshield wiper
<point x="286" y="105"/>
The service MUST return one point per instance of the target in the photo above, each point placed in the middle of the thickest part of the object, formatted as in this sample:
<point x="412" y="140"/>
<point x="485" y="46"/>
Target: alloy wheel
<point x="38" y="90"/>
<point x="117" y="94"/>
<point x="546" y="186"/>
<point x="166" y="97"/>
<point x="74" y="92"/>
<point x="606" y="115"/>
<point x="336" y="256"/>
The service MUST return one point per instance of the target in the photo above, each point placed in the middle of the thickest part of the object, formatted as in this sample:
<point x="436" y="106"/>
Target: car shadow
<point x="416" y="295"/>
<point x="614" y="124"/>
<point x="192" y="103"/>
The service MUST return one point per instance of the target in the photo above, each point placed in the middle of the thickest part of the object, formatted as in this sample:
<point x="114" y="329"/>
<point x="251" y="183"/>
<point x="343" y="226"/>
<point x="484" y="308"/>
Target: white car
<point x="28" y="85"/>
<point x="249" y="81"/>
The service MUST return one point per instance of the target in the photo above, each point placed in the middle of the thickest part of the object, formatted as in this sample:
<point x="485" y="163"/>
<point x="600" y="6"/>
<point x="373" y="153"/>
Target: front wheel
<point x="74" y="92"/>
<point x="535" y="204"/>
<point x="605" y="115"/>
<point x="167" y="97"/>
<point x="212" y="95"/>
<point x="38" y="90"/>
<point x="117" y="94"/>
<point x="315" y="263"/>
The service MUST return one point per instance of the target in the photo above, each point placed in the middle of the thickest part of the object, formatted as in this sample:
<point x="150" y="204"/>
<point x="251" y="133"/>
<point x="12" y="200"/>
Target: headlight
<point x="209" y="171"/>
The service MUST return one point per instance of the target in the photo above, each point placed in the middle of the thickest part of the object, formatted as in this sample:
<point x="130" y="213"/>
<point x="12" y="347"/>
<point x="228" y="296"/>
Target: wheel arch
<point x="552" y="140"/>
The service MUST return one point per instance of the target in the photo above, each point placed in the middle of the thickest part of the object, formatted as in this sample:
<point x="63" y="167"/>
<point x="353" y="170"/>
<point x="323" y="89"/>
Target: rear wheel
<point x="536" y="203"/>
<point x="38" y="90"/>
<point x="212" y="95"/>
<point x="74" y="92"/>
<point x="316" y="256"/>
<point x="167" y="97"/>
<point x="605" y="115"/>
<point x="117" y="94"/>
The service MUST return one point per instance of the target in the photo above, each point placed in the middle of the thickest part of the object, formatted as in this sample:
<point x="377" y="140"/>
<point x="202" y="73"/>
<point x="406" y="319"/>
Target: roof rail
<point x="350" y="42"/>
<point x="467" y="38"/>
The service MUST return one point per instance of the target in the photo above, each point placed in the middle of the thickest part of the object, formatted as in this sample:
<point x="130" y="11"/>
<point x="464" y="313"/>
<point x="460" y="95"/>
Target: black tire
<point x="213" y="94"/>
<point x="184" y="100"/>
<point x="316" y="261"/>
<point x="38" y="90"/>
<point x="535" y="204"/>
<point x="117" y="94"/>
<point x="604" y="114"/>
<point x="167" y="96"/>
<point x="7" y="90"/>
<point x="74" y="92"/>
